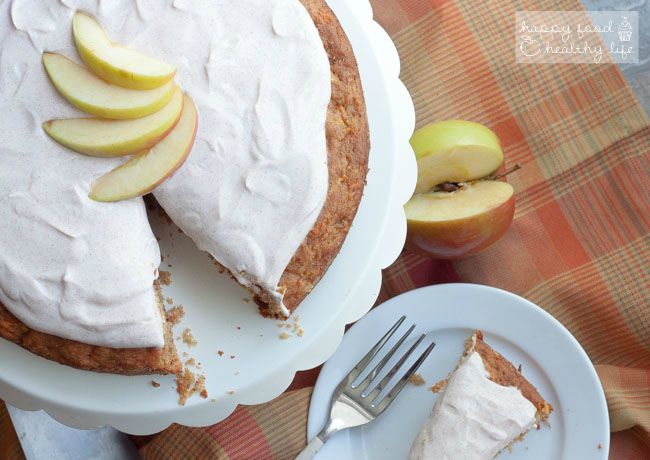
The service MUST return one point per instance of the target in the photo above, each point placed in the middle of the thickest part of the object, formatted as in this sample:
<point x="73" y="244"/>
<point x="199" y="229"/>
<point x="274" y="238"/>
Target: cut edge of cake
<point x="504" y="373"/>
<point x="127" y="361"/>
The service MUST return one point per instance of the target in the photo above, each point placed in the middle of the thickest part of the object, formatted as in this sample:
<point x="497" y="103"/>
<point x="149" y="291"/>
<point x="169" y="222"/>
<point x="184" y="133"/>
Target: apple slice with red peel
<point x="114" y="63"/>
<point x="454" y="151"/>
<point x="100" y="137"/>
<point x="448" y="225"/>
<point x="93" y="95"/>
<point x="146" y="171"/>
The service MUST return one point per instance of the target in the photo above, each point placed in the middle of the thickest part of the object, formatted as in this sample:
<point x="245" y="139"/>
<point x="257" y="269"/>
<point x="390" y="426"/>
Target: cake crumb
<point x="231" y="392"/>
<point x="187" y="384"/>
<point x="165" y="277"/>
<point x="190" y="362"/>
<point x="184" y="385"/>
<point x="246" y="300"/>
<point x="519" y="368"/>
<point x="169" y="300"/>
<point x="439" y="386"/>
<point x="220" y="353"/>
<point x="155" y="384"/>
<point x="199" y="387"/>
<point x="600" y="446"/>
<point x="185" y="355"/>
<point x="175" y="314"/>
<point x="239" y="328"/>
<point x="188" y="338"/>
<point x="417" y="380"/>
<point x="293" y="328"/>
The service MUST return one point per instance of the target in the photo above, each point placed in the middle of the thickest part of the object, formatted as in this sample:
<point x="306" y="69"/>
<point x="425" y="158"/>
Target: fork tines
<point x="369" y="399"/>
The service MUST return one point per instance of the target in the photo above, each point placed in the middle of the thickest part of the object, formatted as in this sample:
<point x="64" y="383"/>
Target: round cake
<point x="269" y="188"/>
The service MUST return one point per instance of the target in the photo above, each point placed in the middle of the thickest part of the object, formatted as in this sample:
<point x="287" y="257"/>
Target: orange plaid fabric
<point x="9" y="445"/>
<point x="578" y="246"/>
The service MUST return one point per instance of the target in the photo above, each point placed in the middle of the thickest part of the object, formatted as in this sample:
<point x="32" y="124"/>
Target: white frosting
<point x="251" y="190"/>
<point x="256" y="179"/>
<point x="474" y="418"/>
<point x="69" y="266"/>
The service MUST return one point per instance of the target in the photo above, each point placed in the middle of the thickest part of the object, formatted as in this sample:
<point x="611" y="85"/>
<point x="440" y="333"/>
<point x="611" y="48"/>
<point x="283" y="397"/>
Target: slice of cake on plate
<point x="485" y="407"/>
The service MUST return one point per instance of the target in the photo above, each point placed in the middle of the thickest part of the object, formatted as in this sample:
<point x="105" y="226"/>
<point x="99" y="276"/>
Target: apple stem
<point x="514" y="168"/>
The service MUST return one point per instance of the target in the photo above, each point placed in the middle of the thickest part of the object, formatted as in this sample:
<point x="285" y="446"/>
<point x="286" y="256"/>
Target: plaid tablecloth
<point x="579" y="245"/>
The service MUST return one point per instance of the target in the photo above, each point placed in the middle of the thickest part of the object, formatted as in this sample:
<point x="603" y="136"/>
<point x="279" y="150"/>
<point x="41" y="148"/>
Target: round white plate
<point x="262" y="365"/>
<point x="551" y="359"/>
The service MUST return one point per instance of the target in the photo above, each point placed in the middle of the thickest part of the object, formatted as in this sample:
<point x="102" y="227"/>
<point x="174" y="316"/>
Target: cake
<point x="78" y="277"/>
<point x="485" y="407"/>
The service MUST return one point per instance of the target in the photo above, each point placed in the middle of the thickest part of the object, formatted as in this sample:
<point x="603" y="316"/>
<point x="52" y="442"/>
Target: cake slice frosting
<point x="486" y="405"/>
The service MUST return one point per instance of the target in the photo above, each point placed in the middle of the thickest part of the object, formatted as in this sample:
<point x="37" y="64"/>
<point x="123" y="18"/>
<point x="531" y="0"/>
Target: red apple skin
<point x="458" y="238"/>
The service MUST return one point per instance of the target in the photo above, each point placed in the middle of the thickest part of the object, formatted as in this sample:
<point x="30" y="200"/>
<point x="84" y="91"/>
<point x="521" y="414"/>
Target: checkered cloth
<point x="579" y="243"/>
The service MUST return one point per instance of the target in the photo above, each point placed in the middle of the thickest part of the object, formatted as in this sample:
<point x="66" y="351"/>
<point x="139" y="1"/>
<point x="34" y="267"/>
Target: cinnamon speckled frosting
<point x="251" y="190"/>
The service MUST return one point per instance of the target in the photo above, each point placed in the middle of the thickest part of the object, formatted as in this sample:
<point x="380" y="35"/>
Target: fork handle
<point x="312" y="448"/>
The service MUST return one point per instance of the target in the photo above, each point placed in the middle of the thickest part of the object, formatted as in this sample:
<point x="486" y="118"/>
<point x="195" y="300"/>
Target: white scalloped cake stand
<point x="256" y="365"/>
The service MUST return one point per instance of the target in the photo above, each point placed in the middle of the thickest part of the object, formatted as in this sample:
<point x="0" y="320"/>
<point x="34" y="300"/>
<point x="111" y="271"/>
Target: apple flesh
<point x="114" y="63"/>
<point x="110" y="138"/>
<point x="449" y="225"/>
<point x="93" y="95"/>
<point x="146" y="171"/>
<point x="454" y="151"/>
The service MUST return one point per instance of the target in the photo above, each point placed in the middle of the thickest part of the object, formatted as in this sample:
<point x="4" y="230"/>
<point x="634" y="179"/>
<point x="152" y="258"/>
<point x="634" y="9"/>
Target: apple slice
<point x="146" y="171"/>
<point x="114" y="63"/>
<point x="93" y="95"/>
<point x="449" y="225"/>
<point x="99" y="137"/>
<point x="454" y="151"/>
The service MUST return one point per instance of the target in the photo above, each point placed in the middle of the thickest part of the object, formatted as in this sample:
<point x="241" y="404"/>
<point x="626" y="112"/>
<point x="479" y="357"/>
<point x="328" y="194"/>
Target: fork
<point x="357" y="404"/>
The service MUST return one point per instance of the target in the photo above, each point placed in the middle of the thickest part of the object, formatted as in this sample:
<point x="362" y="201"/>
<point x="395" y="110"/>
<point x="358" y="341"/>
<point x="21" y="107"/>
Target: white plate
<point x="264" y="365"/>
<point x="524" y="333"/>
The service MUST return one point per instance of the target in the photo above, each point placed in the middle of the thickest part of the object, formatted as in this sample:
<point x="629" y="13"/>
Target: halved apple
<point x="146" y="171"/>
<point x="99" y="137"/>
<point x="93" y="95"/>
<point x="114" y="63"/>
<point x="448" y="225"/>
<point x="454" y="151"/>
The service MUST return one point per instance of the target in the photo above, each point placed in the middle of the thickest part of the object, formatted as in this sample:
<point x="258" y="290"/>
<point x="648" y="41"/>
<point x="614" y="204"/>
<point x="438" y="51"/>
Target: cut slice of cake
<point x="486" y="406"/>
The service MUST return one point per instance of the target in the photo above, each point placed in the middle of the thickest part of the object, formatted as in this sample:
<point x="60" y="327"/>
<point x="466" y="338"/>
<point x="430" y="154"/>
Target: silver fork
<point x="352" y="405"/>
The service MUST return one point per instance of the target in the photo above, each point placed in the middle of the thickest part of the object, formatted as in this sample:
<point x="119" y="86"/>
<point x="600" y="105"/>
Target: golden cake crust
<point x="93" y="358"/>
<point x="504" y="373"/>
<point x="348" y="147"/>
